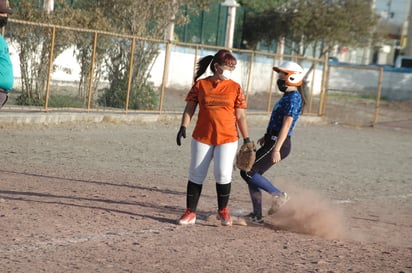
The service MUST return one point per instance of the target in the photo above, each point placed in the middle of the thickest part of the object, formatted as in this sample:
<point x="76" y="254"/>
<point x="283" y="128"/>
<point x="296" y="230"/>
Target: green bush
<point x="24" y="99"/>
<point x="65" y="101"/>
<point x="57" y="101"/>
<point x="144" y="98"/>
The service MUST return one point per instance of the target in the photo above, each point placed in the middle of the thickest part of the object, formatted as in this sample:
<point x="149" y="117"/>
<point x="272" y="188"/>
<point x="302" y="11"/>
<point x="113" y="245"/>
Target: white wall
<point x="397" y="83"/>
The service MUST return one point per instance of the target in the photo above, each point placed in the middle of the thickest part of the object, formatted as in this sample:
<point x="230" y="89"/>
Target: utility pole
<point x="169" y="37"/>
<point x="170" y="31"/>
<point x="48" y="6"/>
<point x="389" y="13"/>
<point x="230" y="25"/>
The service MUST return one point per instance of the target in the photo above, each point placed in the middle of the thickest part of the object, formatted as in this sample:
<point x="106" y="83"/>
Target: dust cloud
<point x="309" y="213"/>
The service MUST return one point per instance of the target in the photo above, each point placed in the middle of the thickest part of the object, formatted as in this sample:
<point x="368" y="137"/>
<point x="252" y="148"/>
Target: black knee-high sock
<point x="223" y="193"/>
<point x="193" y="194"/>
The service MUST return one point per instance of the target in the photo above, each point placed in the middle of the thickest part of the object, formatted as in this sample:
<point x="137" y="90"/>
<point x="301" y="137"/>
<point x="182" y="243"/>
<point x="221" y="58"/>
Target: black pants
<point x="262" y="164"/>
<point x="264" y="154"/>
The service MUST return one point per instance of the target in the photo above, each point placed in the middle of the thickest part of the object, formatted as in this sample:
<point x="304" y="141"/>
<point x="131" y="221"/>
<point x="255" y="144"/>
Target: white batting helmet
<point x="294" y="73"/>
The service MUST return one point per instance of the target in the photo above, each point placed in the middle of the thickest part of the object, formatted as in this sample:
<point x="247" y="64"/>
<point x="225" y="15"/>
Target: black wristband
<point x="246" y="140"/>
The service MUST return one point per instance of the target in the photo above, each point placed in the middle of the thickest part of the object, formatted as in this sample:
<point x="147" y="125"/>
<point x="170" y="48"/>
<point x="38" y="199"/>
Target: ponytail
<point x="202" y="65"/>
<point x="223" y="56"/>
<point x="302" y="94"/>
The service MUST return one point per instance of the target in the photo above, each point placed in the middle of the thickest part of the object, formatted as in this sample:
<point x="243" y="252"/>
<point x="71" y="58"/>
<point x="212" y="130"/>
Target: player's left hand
<point x="180" y="134"/>
<point x="276" y="157"/>
<point x="261" y="141"/>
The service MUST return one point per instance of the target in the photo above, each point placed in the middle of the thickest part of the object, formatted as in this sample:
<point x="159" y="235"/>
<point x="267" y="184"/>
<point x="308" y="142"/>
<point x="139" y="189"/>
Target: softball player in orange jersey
<point x="221" y="116"/>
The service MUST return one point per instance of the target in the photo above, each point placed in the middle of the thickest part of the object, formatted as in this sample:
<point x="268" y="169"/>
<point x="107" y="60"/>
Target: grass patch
<point x="65" y="101"/>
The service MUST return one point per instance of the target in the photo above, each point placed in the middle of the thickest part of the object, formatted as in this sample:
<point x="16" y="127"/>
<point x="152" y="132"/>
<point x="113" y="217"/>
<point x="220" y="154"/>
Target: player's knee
<point x="246" y="175"/>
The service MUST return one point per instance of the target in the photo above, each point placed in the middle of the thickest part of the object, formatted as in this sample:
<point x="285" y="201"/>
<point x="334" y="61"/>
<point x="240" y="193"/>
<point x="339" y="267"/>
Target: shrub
<point x="143" y="98"/>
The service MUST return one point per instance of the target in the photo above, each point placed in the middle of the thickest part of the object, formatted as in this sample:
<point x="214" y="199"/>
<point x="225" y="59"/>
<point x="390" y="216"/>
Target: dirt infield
<point x="105" y="198"/>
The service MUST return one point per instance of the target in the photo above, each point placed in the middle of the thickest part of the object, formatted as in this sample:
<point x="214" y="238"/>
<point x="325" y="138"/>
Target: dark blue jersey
<point x="289" y="105"/>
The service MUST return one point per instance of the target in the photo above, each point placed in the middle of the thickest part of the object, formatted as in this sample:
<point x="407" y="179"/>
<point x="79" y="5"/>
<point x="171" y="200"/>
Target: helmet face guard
<point x="293" y="71"/>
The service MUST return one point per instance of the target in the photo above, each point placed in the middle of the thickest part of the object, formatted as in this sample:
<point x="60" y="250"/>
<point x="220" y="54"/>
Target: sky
<point x="400" y="8"/>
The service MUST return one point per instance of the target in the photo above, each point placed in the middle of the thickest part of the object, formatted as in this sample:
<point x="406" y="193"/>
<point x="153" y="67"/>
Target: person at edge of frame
<point x="276" y="143"/>
<point x="221" y="116"/>
<point x="6" y="67"/>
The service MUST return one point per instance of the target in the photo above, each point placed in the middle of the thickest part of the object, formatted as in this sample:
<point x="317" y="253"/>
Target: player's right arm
<point x="188" y="113"/>
<point x="186" y="118"/>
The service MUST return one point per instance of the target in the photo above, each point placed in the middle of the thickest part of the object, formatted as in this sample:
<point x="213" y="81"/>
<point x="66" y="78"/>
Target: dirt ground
<point x="105" y="198"/>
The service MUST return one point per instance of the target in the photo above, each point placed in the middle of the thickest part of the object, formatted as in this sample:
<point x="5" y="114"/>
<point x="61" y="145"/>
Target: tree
<point x="312" y="23"/>
<point x="143" y="19"/>
<point x="308" y="22"/>
<point x="48" y="6"/>
<point x="33" y="44"/>
<point x="261" y="5"/>
<point x="151" y="21"/>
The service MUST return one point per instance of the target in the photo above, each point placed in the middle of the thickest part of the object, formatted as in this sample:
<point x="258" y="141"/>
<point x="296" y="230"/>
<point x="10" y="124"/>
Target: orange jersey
<point x="216" y="122"/>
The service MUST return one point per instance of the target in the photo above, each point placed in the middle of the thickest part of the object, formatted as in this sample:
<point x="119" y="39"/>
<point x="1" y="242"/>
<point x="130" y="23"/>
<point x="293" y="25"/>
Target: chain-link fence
<point x="352" y="97"/>
<point x="367" y="96"/>
<point x="60" y="67"/>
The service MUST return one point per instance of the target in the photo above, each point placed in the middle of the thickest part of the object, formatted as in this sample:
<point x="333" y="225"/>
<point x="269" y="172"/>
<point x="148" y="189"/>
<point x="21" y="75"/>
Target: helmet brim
<point x="275" y="68"/>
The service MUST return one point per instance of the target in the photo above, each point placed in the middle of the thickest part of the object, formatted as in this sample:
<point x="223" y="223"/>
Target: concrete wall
<point x="397" y="83"/>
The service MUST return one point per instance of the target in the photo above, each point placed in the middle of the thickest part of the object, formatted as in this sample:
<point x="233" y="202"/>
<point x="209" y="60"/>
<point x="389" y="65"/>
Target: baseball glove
<point x="246" y="156"/>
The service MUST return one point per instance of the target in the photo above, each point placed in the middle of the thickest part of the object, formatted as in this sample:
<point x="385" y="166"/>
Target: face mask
<point x="282" y="85"/>
<point x="227" y="74"/>
<point x="3" y="21"/>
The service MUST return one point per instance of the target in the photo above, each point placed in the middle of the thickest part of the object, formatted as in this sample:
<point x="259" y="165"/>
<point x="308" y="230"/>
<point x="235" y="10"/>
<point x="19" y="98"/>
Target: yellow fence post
<point x="312" y="84"/>
<point x="324" y="85"/>
<point x="129" y="81"/>
<point x="165" y="75"/>
<point x="378" y="97"/>
<point x="50" y="69"/>
<point x="249" y="77"/>
<point x="195" y="61"/>
<point x="272" y="78"/>
<point x="89" y="94"/>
